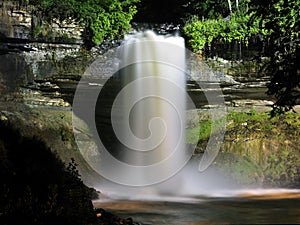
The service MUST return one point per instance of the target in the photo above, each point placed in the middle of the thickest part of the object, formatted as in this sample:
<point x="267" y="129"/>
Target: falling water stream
<point x="146" y="170"/>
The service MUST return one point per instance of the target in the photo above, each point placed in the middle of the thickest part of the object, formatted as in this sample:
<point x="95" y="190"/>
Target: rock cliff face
<point x="40" y="62"/>
<point x="263" y="158"/>
<point x="40" y="66"/>
<point x="38" y="76"/>
<point x="47" y="74"/>
<point x="19" y="21"/>
<point x="15" y="22"/>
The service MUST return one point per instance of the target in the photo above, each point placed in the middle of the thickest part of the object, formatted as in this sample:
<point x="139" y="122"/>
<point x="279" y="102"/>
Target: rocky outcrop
<point x="40" y="62"/>
<point x="19" y="21"/>
<point x="38" y="77"/>
<point x="263" y="152"/>
<point x="257" y="150"/>
<point x="15" y="22"/>
<point x="51" y="125"/>
<point x="46" y="75"/>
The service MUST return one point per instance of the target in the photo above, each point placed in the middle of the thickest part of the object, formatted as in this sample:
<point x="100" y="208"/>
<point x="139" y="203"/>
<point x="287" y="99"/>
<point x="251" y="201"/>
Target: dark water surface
<point x="275" y="207"/>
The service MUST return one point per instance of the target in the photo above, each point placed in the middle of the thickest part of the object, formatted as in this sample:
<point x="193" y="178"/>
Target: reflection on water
<point x="276" y="206"/>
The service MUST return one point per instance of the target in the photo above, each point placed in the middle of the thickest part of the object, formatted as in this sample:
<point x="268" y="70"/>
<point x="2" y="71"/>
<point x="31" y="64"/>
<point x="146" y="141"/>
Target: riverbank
<point x="257" y="149"/>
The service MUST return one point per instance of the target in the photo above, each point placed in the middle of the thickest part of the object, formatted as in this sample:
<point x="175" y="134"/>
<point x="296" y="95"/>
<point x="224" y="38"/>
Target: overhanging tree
<point x="279" y="23"/>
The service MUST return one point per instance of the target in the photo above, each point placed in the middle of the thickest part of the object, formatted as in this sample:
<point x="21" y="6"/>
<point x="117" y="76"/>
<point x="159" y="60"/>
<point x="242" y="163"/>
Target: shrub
<point x="37" y="187"/>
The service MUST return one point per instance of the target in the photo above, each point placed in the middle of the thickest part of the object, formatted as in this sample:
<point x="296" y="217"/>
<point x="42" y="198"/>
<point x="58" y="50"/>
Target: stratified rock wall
<point x="19" y="21"/>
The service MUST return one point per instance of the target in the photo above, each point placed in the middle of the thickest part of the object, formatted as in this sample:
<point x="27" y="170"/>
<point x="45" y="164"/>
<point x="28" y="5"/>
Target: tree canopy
<point x="280" y="19"/>
<point x="275" y="22"/>
<point x="102" y="19"/>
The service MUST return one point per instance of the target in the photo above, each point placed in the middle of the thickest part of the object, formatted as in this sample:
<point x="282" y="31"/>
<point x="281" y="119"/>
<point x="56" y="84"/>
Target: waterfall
<point x="148" y="114"/>
<point x="138" y="139"/>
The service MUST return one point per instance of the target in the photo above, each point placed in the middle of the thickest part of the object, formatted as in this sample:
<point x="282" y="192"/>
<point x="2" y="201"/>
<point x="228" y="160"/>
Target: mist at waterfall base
<point x="140" y="123"/>
<point x="136" y="119"/>
<point x="194" y="191"/>
<point x="187" y="185"/>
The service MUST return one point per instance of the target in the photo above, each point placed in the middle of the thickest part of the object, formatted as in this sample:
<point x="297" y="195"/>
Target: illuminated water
<point x="257" y="206"/>
<point x="148" y="120"/>
<point x="148" y="114"/>
<point x="190" y="196"/>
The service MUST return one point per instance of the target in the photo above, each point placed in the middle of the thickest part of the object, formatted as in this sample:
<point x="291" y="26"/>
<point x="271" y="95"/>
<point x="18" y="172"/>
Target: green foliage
<point x="242" y="117"/>
<point x="199" y="133"/>
<point x="292" y="119"/>
<point x="36" y="187"/>
<point x="283" y="169"/>
<point x="203" y="130"/>
<point x="203" y="32"/>
<point x="107" y="19"/>
<point x="277" y="23"/>
<point x="280" y="21"/>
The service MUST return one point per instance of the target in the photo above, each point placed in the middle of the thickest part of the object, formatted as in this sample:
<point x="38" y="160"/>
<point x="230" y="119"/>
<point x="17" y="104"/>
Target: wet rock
<point x="109" y="218"/>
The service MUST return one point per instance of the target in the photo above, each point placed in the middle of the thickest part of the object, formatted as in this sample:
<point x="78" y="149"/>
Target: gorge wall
<point x="20" y="21"/>
<point x="41" y="64"/>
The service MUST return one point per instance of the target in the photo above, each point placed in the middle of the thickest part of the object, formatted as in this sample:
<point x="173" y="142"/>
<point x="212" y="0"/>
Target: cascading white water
<point x="148" y="115"/>
<point x="148" y="121"/>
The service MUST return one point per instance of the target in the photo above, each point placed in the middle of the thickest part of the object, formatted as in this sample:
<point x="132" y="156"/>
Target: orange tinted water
<point x="248" y="207"/>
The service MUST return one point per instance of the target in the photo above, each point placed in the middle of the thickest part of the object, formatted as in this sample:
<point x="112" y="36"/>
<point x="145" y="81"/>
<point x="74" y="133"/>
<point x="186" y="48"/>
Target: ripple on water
<point x="247" y="206"/>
